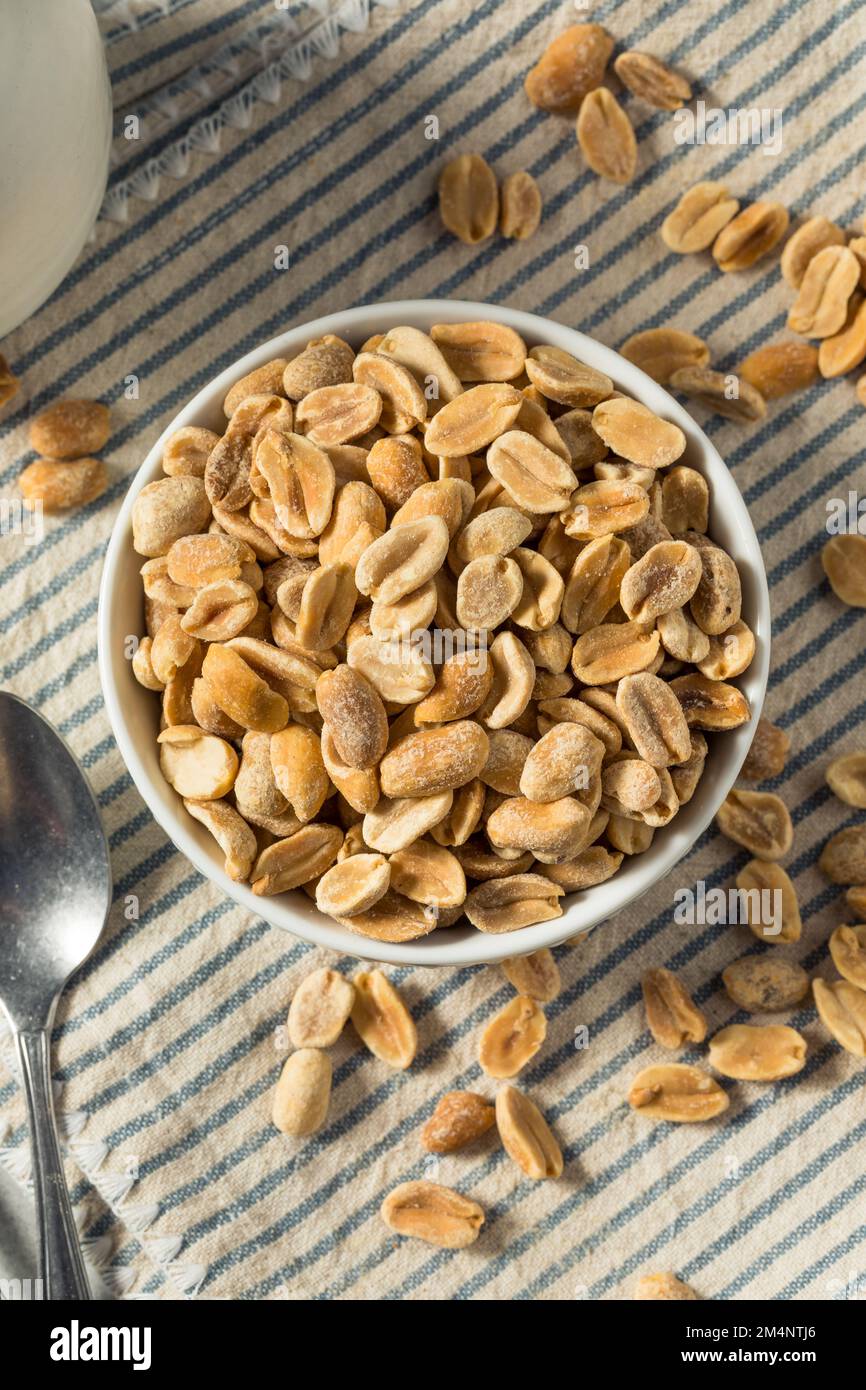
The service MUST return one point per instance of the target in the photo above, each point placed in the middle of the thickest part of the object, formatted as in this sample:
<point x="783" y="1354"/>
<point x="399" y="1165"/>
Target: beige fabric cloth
<point x="168" y="1047"/>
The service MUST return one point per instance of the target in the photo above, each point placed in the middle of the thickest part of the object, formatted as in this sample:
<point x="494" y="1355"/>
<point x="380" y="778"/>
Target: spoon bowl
<point x="55" y="892"/>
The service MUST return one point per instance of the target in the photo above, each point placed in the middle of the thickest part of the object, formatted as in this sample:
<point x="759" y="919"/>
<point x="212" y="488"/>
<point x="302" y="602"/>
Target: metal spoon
<point x="55" y="892"/>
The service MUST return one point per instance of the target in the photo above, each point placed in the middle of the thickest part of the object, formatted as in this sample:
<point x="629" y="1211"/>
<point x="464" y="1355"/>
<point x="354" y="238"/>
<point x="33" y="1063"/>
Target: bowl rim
<point x="293" y="912"/>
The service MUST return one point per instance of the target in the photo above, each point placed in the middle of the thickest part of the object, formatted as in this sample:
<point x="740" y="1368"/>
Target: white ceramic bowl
<point x="134" y="711"/>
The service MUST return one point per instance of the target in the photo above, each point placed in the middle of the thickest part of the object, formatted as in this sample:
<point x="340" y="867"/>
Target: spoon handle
<point x="61" y="1267"/>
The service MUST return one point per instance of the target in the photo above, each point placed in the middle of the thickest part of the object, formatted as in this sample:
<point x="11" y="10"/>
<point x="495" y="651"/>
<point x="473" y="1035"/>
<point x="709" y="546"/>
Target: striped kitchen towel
<point x="170" y="1040"/>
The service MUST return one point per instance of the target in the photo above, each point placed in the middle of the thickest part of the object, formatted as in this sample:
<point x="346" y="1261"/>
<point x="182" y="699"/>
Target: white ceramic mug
<point x="55" y="115"/>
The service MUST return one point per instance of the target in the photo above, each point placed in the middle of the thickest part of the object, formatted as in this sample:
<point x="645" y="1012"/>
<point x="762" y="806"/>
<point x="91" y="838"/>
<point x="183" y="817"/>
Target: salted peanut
<point x="241" y="693"/>
<point x="289" y="662"/>
<point x="395" y="824"/>
<point x="542" y="590"/>
<point x="526" y="1135"/>
<point x="730" y="654"/>
<point x="606" y="137"/>
<point x="324" y="362"/>
<point x="649" y="530"/>
<point x="552" y="830"/>
<point x="629" y="836"/>
<point x="846" y="349"/>
<point x="593" y="583"/>
<point x="198" y="765"/>
<point x="397" y="670"/>
<point x="550" y="649"/>
<point x="288" y="863"/>
<point x="429" y="874"/>
<point x="536" y="976"/>
<point x="506" y="760"/>
<point x="537" y="478"/>
<point x="629" y="785"/>
<point x="461" y="687"/>
<point x="722" y="392"/>
<point x="256" y="791"/>
<point x="717" y="601"/>
<point x="434" y="760"/>
<point x="513" y="681"/>
<point x="765" y="984"/>
<point x="653" y="1288"/>
<point x="354" y="714"/>
<point x="195" y="561"/>
<point x="393" y="918"/>
<point x="462" y="817"/>
<point x="187" y="451"/>
<point x="299" y="772"/>
<point x="844" y="562"/>
<point x="514" y="1035"/>
<point x="665" y="577"/>
<point x="564" y="762"/>
<point x="681" y="637"/>
<point x="590" y="866"/>
<point x="698" y="218"/>
<point x="846" y="778"/>
<point x="472" y="421"/>
<point x="220" y="611"/>
<point x="842" y="1009"/>
<point x="171" y="649"/>
<point x="571" y="65"/>
<point x="350" y="887"/>
<point x="759" y="821"/>
<point x="300" y="481"/>
<point x="520" y="206"/>
<point x="672" y="1016"/>
<point x="419" y="353"/>
<point x="326" y="607"/>
<point x="382" y="1020"/>
<point x="766" y="1053"/>
<point x="243" y="528"/>
<point x="583" y="446"/>
<point x="303" y="1093"/>
<point x="508" y="903"/>
<point x="264" y="380"/>
<point x="320" y="1005"/>
<point x="483" y="864"/>
<point x="335" y="415"/>
<point x="469" y="198"/>
<point x="613" y="650"/>
<point x="769" y="907"/>
<point x="459" y="1119"/>
<point x="166" y="510"/>
<point x="712" y="705"/>
<point x="843" y="858"/>
<point x="142" y="666"/>
<point x="635" y="433"/>
<point x="858" y="246"/>
<point x="604" y="508"/>
<point x="856" y="900"/>
<point x="450" y="498"/>
<point x="432" y="1213"/>
<point x="662" y="351"/>
<point x="562" y="378"/>
<point x="685" y="500"/>
<point x="359" y="786"/>
<point x="231" y="832"/>
<point x="652" y="80"/>
<point x="480" y="351"/>
<point x="401" y="561"/>
<point x="677" y="1092"/>
<point x="69" y="429"/>
<point x="488" y="591"/>
<point x="821" y="306"/>
<point x="410" y="614"/>
<point x="177" y="696"/>
<point x="848" y="952"/>
<point x="750" y="236"/>
<point x="228" y="474"/>
<point x="9" y="383"/>
<point x="494" y="532"/>
<point x="655" y="720"/>
<point x="803" y="246"/>
<point x="780" y="368"/>
<point x="357" y="518"/>
<point x="403" y="403"/>
<point x="685" y="776"/>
